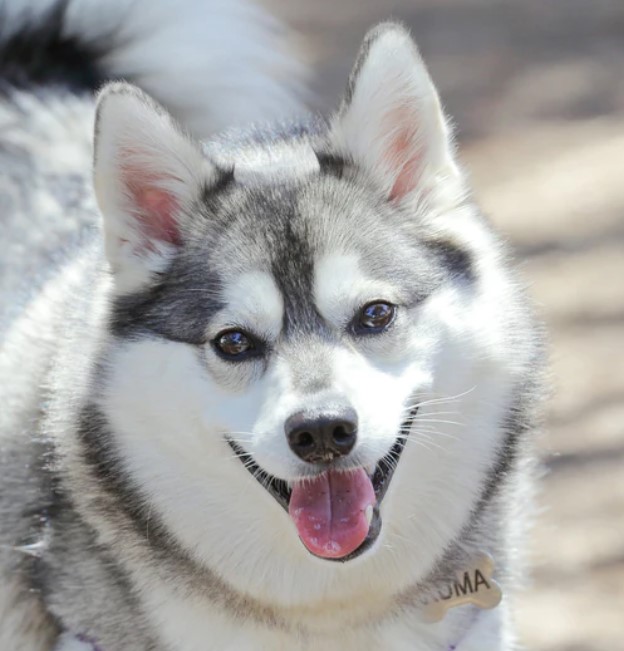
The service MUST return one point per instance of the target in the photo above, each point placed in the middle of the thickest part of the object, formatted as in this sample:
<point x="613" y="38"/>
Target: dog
<point x="285" y="394"/>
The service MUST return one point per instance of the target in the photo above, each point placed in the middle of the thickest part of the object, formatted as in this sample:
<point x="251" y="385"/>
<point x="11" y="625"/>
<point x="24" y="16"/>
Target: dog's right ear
<point x="148" y="174"/>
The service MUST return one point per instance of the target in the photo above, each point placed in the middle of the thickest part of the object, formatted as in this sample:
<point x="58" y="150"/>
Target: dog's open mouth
<point x="336" y="512"/>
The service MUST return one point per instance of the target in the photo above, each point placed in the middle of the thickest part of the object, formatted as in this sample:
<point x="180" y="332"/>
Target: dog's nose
<point x="323" y="437"/>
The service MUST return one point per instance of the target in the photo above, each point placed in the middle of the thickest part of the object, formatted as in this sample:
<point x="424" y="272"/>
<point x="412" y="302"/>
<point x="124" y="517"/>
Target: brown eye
<point x="234" y="344"/>
<point x="375" y="317"/>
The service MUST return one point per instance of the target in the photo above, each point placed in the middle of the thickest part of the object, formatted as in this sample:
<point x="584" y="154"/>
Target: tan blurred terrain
<point x="537" y="92"/>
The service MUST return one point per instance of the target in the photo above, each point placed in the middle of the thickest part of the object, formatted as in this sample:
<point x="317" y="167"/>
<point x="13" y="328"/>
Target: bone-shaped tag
<point x="474" y="585"/>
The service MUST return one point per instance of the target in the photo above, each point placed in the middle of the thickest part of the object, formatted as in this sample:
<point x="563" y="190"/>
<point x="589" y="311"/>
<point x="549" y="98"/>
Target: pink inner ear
<point x="155" y="208"/>
<point x="403" y="156"/>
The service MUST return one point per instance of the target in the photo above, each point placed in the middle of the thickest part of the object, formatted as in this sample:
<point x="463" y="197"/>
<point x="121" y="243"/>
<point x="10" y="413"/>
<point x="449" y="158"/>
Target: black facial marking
<point x="293" y="268"/>
<point x="177" y="307"/>
<point x="332" y="165"/>
<point x="211" y="194"/>
<point x="288" y="244"/>
<point x="457" y="262"/>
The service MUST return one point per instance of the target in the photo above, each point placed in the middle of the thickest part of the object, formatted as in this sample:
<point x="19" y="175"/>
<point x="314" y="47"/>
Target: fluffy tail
<point x="214" y="63"/>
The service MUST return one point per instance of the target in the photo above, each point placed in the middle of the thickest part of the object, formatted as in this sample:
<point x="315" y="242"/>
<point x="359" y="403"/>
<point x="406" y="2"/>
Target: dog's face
<point x="301" y="336"/>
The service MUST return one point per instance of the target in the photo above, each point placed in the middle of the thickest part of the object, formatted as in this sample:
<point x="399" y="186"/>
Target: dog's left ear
<point x="391" y="122"/>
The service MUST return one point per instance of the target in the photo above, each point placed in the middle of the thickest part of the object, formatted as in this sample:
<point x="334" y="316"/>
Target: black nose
<point x="322" y="437"/>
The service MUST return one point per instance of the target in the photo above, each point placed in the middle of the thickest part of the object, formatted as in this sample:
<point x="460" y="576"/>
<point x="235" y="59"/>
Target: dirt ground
<point x="537" y="92"/>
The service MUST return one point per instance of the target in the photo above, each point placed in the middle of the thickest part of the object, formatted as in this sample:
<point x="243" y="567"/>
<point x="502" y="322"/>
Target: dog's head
<point x="308" y="351"/>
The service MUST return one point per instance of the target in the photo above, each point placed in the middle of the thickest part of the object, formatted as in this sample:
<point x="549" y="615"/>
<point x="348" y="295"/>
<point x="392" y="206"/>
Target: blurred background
<point x="536" y="89"/>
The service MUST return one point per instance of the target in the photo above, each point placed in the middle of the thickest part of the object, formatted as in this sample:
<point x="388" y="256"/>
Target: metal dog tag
<point x="473" y="585"/>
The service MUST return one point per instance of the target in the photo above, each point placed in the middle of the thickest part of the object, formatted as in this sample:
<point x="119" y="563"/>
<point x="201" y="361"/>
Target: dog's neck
<point x="89" y="644"/>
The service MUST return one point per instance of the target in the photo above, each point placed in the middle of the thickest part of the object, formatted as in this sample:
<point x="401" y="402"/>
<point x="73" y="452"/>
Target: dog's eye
<point x="234" y="344"/>
<point x="374" y="317"/>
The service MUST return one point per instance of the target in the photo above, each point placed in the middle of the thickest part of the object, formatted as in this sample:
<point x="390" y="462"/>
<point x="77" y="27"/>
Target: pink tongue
<point x="329" y="511"/>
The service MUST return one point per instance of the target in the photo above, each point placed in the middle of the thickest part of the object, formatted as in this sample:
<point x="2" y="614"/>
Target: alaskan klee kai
<point x="284" y="394"/>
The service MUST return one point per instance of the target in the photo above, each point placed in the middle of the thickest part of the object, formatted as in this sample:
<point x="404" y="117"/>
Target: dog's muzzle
<point x="336" y="512"/>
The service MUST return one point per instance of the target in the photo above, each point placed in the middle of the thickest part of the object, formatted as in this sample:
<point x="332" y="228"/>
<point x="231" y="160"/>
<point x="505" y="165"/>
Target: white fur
<point x="184" y="624"/>
<point x="254" y="303"/>
<point x="214" y="63"/>
<point x="280" y="163"/>
<point x="341" y="287"/>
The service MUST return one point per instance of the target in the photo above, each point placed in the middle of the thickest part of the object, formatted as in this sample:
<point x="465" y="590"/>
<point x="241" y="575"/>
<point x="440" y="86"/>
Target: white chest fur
<point x="194" y="625"/>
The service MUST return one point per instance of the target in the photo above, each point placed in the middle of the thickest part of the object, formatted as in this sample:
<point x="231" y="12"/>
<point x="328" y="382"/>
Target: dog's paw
<point x="69" y="642"/>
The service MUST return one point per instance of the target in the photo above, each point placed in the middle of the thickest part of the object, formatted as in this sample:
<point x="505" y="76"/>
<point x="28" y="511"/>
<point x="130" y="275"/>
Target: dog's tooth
<point x="370" y="469"/>
<point x="369" y="514"/>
